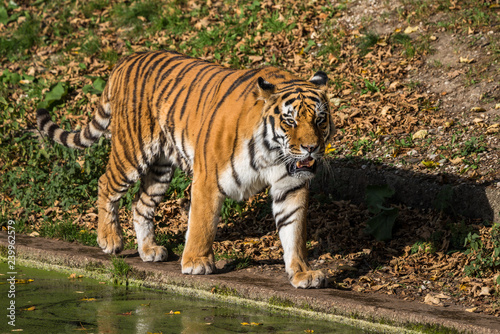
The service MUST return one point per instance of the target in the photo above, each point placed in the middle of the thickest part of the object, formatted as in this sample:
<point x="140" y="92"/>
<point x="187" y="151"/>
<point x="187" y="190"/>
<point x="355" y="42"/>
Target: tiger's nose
<point x="310" y="148"/>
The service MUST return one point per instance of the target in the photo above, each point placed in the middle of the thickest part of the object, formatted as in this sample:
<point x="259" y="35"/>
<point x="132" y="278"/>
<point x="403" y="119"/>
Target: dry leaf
<point x="477" y="109"/>
<point x="421" y="134"/>
<point x="472" y="310"/>
<point x="449" y="124"/>
<point x="410" y="29"/>
<point x="493" y="128"/>
<point x="466" y="60"/>
<point x="457" y="160"/>
<point x="384" y="110"/>
<point x="486" y="291"/>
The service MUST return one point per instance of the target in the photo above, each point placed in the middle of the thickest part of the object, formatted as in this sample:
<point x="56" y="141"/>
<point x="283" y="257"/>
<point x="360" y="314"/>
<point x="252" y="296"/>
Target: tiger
<point x="234" y="132"/>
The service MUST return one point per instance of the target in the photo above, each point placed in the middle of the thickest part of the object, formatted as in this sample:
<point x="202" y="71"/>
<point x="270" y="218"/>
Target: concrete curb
<point x="365" y="311"/>
<point x="417" y="190"/>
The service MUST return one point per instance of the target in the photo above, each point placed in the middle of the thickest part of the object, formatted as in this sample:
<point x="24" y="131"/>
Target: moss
<point x="282" y="302"/>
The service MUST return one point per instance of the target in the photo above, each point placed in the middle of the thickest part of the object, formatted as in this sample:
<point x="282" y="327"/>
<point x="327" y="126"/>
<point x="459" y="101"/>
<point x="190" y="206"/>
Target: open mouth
<point x="306" y="165"/>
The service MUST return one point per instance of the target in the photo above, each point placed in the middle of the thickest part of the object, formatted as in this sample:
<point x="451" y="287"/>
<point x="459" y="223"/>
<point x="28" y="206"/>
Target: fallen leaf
<point x="384" y="110"/>
<point x="456" y="160"/>
<point x="430" y="163"/>
<point x="449" y="124"/>
<point x="421" y="134"/>
<point x="466" y="60"/>
<point x="485" y="291"/>
<point x="410" y="29"/>
<point x="394" y="85"/>
<point x="493" y="128"/>
<point x="329" y="149"/>
<point x="88" y="299"/>
<point x="431" y="299"/>
<point x="32" y="308"/>
<point x="472" y="310"/>
<point x="477" y="109"/>
<point x="125" y="314"/>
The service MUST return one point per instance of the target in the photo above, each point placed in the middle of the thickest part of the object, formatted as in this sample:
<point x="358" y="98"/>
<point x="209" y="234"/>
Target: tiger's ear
<point x="266" y="88"/>
<point x="319" y="79"/>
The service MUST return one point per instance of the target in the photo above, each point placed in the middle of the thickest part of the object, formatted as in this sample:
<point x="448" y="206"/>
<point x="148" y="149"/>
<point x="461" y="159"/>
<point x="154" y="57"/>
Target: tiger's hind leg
<point x="112" y="186"/>
<point x="153" y="187"/>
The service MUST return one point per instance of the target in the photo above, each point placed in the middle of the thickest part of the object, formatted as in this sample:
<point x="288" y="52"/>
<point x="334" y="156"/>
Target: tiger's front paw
<point x="153" y="253"/>
<point x="111" y="243"/>
<point x="309" y="279"/>
<point x="198" y="266"/>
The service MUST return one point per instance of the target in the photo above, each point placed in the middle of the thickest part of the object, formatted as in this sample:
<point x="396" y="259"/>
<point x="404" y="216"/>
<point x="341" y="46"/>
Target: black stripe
<point x="98" y="126"/>
<point x="147" y="217"/>
<point x="89" y="134"/>
<point x="251" y="151"/>
<point x="125" y="112"/>
<point x="52" y="128"/>
<point x="287" y="103"/>
<point x="282" y="177"/>
<point x="281" y="222"/>
<point x="271" y="122"/>
<point x="76" y="139"/>
<point x="147" y="204"/>
<point x="158" y="179"/>
<point x="43" y="117"/>
<point x="235" y="85"/>
<point x="121" y="167"/>
<point x="137" y="111"/>
<point x="64" y="138"/>
<point x="101" y="112"/>
<point x="183" y="140"/>
<point x="283" y="196"/>
<point x="207" y="82"/>
<point x="199" y="78"/>
<point x="157" y="80"/>
<point x="128" y="155"/>
<point x="218" y="184"/>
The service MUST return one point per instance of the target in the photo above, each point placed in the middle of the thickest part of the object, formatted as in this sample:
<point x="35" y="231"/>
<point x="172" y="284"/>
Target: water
<point x="52" y="303"/>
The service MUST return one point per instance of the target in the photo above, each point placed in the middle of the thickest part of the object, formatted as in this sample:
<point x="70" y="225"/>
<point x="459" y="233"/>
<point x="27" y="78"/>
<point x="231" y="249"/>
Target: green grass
<point x="22" y="39"/>
<point x="119" y="270"/>
<point x="367" y="42"/>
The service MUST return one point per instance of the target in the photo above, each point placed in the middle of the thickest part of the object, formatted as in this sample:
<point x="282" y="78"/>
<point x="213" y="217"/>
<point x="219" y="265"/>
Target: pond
<point x="50" y="302"/>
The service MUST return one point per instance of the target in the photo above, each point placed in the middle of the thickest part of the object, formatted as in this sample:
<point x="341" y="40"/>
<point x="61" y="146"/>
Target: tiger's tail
<point x="75" y="139"/>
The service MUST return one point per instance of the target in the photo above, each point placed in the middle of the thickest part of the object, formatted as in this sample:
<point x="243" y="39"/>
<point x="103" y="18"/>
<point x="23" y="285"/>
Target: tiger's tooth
<point x="298" y="164"/>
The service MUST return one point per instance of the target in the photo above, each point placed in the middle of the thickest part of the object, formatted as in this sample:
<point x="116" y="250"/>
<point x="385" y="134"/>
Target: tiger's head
<point x="297" y="122"/>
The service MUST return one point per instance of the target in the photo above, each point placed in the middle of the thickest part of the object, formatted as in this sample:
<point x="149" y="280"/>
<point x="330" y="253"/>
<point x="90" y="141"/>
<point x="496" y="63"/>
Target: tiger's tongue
<point x="305" y="163"/>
